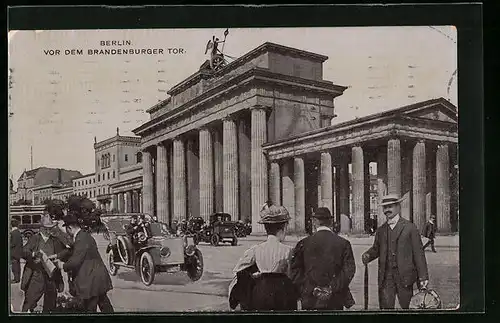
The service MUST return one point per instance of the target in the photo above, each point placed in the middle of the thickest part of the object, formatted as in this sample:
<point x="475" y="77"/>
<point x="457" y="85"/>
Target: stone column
<point x="394" y="166"/>
<point x="300" y="194"/>
<point x="140" y="201"/>
<point x="289" y="191"/>
<point x="381" y="185"/>
<point x="326" y="181"/>
<point x="128" y="202"/>
<point x="258" y="166"/>
<point x="337" y="195"/>
<point x="192" y="177"/>
<point x="230" y="163"/>
<point x="162" y="200"/>
<point x="344" y="196"/>
<point x="114" y="202"/>
<point x="179" y="182"/>
<point x="218" y="172"/>
<point x="147" y="183"/>
<point x="419" y="184"/>
<point x="206" y="174"/>
<point x="443" y="189"/>
<point x="358" y="187"/>
<point x="274" y="183"/>
<point x="244" y="166"/>
<point x="121" y="204"/>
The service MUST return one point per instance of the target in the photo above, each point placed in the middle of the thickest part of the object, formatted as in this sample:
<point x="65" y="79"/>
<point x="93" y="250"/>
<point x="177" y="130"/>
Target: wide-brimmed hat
<point x="70" y="219"/>
<point x="274" y="215"/>
<point x="322" y="213"/>
<point x="390" y="199"/>
<point x="46" y="221"/>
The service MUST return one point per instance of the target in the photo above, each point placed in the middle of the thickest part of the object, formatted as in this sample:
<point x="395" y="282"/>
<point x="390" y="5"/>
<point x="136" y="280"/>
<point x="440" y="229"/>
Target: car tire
<point x="194" y="269"/>
<point x="113" y="269"/>
<point x="234" y="242"/>
<point x="147" y="268"/>
<point x="125" y="249"/>
<point x="215" y="239"/>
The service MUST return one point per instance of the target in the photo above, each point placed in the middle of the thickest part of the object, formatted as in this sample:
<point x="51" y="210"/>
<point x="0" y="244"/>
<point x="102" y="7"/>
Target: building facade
<point x="62" y="193"/>
<point x="260" y="128"/>
<point x="85" y="186"/>
<point x="111" y="156"/>
<point x="36" y="180"/>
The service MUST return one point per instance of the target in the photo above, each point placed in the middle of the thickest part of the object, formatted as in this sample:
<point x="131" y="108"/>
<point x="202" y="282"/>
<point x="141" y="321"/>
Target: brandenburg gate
<point x="260" y="128"/>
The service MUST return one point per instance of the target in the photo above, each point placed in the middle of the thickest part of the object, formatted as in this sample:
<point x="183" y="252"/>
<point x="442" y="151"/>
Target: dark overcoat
<point x="30" y="267"/>
<point x="89" y="274"/>
<point x="429" y="230"/>
<point x="410" y="256"/>
<point x="320" y="260"/>
<point x="16" y="244"/>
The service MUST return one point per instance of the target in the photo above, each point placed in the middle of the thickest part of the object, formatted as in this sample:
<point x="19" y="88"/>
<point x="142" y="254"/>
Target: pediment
<point x="438" y="112"/>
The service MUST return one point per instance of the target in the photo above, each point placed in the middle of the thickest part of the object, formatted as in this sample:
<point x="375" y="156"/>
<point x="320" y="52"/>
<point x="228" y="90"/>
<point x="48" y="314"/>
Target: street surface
<point x="177" y="293"/>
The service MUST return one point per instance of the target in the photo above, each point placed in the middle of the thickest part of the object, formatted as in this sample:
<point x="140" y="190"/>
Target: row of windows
<point x="105" y="160"/>
<point x="104" y="176"/>
<point x="84" y="182"/>
<point x="94" y="193"/>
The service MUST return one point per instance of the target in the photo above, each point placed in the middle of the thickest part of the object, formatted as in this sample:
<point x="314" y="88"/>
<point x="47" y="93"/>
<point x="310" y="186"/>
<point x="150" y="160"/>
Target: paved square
<point x="175" y="292"/>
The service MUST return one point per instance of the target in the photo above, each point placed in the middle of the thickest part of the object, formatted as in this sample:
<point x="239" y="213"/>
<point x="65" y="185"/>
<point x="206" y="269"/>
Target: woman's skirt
<point x="274" y="292"/>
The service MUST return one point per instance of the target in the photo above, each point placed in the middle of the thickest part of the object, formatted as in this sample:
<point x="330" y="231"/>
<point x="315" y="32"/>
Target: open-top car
<point x="137" y="242"/>
<point x="219" y="229"/>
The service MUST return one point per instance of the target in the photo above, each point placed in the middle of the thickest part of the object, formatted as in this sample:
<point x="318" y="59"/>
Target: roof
<point x="115" y="139"/>
<point x="34" y="171"/>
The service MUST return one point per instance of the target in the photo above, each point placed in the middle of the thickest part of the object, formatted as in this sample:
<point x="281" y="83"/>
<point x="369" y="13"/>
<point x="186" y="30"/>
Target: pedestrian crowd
<point x="317" y="272"/>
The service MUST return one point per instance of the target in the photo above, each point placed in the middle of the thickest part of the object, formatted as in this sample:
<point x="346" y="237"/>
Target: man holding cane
<point x="401" y="258"/>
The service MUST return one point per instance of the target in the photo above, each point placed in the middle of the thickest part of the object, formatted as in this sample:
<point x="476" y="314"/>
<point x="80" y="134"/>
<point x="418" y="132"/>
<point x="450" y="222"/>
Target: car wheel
<point x="124" y="249"/>
<point x="113" y="269"/>
<point x="195" y="266"/>
<point x="234" y="242"/>
<point x="147" y="268"/>
<point x="215" y="240"/>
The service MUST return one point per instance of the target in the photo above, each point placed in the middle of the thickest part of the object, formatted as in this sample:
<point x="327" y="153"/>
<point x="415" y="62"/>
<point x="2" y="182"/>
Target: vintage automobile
<point x="219" y="229"/>
<point x="152" y="250"/>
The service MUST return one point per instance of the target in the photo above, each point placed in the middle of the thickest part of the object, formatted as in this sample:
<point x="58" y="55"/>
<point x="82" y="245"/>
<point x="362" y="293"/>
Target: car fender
<point x="153" y="250"/>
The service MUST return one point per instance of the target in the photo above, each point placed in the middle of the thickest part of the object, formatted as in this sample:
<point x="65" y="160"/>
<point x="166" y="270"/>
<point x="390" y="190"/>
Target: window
<point x="113" y="158"/>
<point x="139" y="157"/>
<point x="113" y="174"/>
<point x="98" y="162"/>
<point x="126" y="157"/>
<point x="94" y="180"/>
<point x="99" y="191"/>
<point x="108" y="175"/>
<point x="94" y="193"/>
<point x="99" y="177"/>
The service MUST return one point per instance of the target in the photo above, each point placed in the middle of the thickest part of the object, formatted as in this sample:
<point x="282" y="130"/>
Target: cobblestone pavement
<point x="175" y="292"/>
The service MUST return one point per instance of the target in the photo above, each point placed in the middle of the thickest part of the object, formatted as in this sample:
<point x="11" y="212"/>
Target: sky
<point x="59" y="103"/>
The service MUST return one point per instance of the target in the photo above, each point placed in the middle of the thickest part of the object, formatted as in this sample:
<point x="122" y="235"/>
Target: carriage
<point x="153" y="250"/>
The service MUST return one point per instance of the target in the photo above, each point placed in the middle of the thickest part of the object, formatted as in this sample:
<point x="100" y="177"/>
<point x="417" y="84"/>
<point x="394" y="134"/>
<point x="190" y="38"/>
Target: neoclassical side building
<point x="260" y="128"/>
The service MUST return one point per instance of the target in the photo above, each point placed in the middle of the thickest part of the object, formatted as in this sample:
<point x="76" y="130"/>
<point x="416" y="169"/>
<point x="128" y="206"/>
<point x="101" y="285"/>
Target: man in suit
<point x="322" y="266"/>
<point x="16" y="250"/>
<point x="36" y="281"/>
<point x="401" y="258"/>
<point x="90" y="276"/>
<point x="430" y="232"/>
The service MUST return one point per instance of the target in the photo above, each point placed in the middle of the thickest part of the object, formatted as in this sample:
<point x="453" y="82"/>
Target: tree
<point x="55" y="208"/>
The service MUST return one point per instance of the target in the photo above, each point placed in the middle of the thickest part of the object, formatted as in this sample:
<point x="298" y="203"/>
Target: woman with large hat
<point x="261" y="281"/>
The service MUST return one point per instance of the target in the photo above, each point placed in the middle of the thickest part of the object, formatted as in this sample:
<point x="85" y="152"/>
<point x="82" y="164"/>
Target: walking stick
<point x="366" y="286"/>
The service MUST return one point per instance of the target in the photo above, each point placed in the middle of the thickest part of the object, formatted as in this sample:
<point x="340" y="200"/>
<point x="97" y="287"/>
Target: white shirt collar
<point x="323" y="228"/>
<point x="272" y="238"/>
<point x="14" y="228"/>
<point x="392" y="222"/>
<point x="44" y="237"/>
<point x="76" y="232"/>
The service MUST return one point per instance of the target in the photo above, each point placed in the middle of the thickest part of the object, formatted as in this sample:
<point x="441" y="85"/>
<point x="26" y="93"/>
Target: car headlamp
<point x="165" y="252"/>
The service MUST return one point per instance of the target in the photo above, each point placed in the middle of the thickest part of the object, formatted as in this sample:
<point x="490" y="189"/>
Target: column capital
<point x="228" y="117"/>
<point x="259" y="107"/>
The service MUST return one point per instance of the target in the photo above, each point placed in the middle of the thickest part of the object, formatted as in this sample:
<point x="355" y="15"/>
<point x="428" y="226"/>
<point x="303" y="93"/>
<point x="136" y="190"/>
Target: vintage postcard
<point x="234" y="169"/>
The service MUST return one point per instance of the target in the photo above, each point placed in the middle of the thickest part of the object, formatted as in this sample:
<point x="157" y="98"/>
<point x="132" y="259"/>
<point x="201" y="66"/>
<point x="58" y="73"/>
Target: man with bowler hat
<point x="322" y="266"/>
<point x="36" y="282"/>
<point x="16" y="250"/>
<point x="89" y="274"/>
<point x="401" y="258"/>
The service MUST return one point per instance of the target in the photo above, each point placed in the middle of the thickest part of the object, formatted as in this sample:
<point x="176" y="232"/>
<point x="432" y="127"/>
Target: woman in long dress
<point x="261" y="281"/>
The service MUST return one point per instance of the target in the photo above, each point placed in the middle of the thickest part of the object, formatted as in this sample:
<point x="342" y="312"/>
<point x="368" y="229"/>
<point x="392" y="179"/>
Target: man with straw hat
<point x="36" y="280"/>
<point x="261" y="281"/>
<point x="401" y="258"/>
<point x="322" y="266"/>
